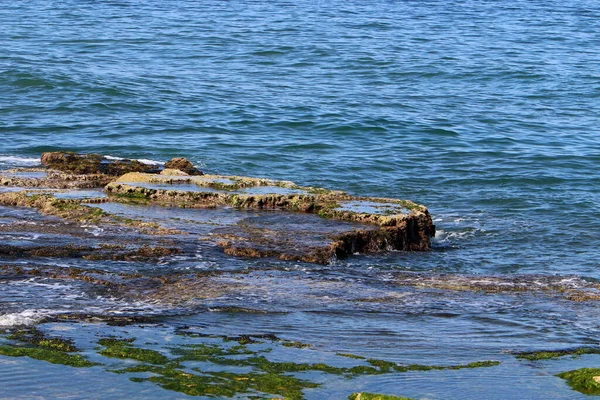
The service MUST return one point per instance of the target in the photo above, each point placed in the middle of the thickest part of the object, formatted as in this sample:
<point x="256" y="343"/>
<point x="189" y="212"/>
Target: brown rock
<point x="173" y="172"/>
<point x="183" y="164"/>
<point x="58" y="157"/>
<point x="93" y="164"/>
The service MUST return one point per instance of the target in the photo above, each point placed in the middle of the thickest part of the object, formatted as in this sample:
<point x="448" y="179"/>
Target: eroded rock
<point x="184" y="165"/>
<point x="85" y="164"/>
<point x="370" y="224"/>
<point x="313" y="224"/>
<point x="51" y="179"/>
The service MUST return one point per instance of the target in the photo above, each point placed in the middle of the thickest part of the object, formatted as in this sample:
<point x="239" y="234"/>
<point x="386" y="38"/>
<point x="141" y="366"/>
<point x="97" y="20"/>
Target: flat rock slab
<point x="249" y="217"/>
<point x="51" y="179"/>
<point x="313" y="224"/>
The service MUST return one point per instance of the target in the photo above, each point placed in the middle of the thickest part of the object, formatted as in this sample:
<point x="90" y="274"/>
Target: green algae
<point x="477" y="364"/>
<point x="122" y="348"/>
<point x="223" y="384"/>
<point x="50" y="355"/>
<point x="388" y="366"/>
<point x="297" y="345"/>
<point x="35" y="337"/>
<point x="374" y="396"/>
<point x="348" y="355"/>
<point x="178" y="370"/>
<point x="553" y="354"/>
<point x="220" y="384"/>
<point x="217" y="355"/>
<point x="584" y="380"/>
<point x="265" y="365"/>
<point x="39" y="346"/>
<point x="208" y="352"/>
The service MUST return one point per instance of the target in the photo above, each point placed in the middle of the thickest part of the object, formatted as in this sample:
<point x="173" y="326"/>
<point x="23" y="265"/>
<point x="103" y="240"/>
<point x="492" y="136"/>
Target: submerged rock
<point x="584" y="380"/>
<point x="374" y="396"/>
<point x="93" y="164"/>
<point x="51" y="179"/>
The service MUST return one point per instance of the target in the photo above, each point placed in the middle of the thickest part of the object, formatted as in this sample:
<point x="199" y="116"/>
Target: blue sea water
<point x="487" y="112"/>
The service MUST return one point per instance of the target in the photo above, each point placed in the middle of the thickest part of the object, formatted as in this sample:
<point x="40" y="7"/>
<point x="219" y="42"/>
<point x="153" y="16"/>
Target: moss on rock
<point x="122" y="348"/>
<point x="45" y="354"/>
<point x="37" y="338"/>
<point x="552" y="354"/>
<point x="374" y="396"/>
<point x="73" y="210"/>
<point x="584" y="380"/>
<point x="93" y="164"/>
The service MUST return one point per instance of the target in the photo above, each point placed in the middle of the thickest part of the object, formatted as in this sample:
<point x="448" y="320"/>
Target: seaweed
<point x="374" y="396"/>
<point x="354" y="356"/>
<point x="552" y="354"/>
<point x="122" y="348"/>
<point x="179" y="370"/>
<point x="49" y="355"/>
<point x="584" y="380"/>
<point x="37" y="338"/>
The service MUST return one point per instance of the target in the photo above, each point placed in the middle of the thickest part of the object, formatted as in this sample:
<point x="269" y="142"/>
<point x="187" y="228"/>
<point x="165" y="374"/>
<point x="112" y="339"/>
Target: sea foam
<point x="26" y="317"/>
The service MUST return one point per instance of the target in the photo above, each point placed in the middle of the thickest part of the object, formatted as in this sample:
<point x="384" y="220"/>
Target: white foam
<point x="150" y="162"/>
<point x="19" y="160"/>
<point x="27" y="317"/>
<point x="142" y="160"/>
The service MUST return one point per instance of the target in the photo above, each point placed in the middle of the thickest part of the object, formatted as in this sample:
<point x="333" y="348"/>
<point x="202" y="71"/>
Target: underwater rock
<point x="584" y="380"/>
<point x="74" y="211"/>
<point x="93" y="164"/>
<point x="184" y="165"/>
<point x="51" y="179"/>
<point x="374" y="396"/>
<point x="553" y="354"/>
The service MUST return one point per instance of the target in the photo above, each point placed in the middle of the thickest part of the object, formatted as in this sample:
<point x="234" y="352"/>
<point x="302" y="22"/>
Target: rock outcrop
<point x="182" y="164"/>
<point x="289" y="222"/>
<point x="93" y="164"/>
<point x="334" y="225"/>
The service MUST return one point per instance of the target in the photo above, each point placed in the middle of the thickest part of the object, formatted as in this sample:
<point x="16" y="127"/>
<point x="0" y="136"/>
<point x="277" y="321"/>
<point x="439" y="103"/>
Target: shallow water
<point x="485" y="112"/>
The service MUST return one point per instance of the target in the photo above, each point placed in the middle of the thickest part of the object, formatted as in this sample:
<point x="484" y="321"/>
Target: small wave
<point x="26" y="317"/>
<point x="19" y="161"/>
<point x="496" y="283"/>
<point x="142" y="160"/>
<point x="441" y="236"/>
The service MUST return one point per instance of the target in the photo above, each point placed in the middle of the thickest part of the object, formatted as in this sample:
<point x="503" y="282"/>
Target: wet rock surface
<point x="372" y="224"/>
<point x="183" y="255"/>
<point x="183" y="165"/>
<point x="51" y="179"/>
<point x="265" y="218"/>
<point x="85" y="164"/>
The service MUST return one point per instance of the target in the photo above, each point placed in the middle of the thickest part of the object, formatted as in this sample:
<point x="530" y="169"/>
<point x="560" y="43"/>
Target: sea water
<point x="487" y="112"/>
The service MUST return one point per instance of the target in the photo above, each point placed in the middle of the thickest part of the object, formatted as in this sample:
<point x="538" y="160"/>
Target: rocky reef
<point x="274" y="218"/>
<point x="85" y="164"/>
<point x="180" y="365"/>
<point x="313" y="224"/>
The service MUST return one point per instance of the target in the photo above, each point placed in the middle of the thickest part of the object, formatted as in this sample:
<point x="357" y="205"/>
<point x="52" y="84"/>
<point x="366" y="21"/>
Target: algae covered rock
<point x="311" y="224"/>
<point x="184" y="165"/>
<point x="584" y="380"/>
<point x="93" y="164"/>
<point x="374" y="396"/>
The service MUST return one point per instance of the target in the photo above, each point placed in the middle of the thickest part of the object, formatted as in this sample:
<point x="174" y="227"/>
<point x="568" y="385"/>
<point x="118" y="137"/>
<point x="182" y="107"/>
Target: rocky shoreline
<point x="289" y="222"/>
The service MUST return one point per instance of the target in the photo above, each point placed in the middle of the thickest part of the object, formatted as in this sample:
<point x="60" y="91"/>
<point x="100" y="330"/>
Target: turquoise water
<point x="487" y="112"/>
